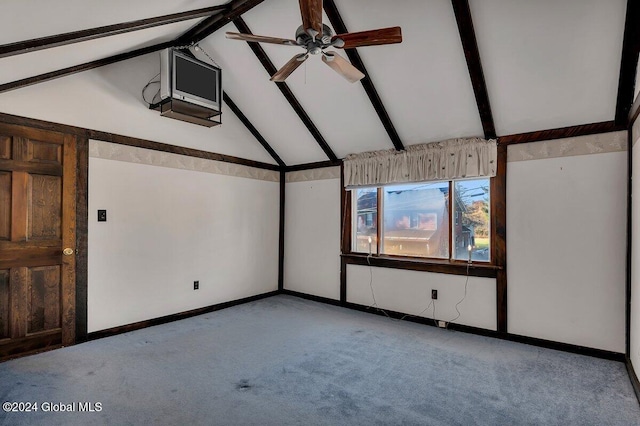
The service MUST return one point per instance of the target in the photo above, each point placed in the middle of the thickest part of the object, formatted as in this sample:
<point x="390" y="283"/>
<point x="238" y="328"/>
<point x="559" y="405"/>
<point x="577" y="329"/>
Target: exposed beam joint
<point x="82" y="67"/>
<point x="628" y="62"/>
<point x="286" y="91"/>
<point x="48" y="42"/>
<point x="235" y="9"/>
<point x="338" y="25"/>
<point x="251" y="128"/>
<point x="472" y="55"/>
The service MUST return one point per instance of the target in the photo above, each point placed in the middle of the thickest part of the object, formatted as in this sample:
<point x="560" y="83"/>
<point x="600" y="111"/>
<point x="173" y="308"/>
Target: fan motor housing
<point x="314" y="47"/>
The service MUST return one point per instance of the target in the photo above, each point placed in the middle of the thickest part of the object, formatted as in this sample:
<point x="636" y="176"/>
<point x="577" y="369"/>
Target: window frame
<point x="378" y="251"/>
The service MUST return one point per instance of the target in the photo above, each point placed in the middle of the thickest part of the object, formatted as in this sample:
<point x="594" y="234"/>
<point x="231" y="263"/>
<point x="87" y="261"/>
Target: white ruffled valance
<point x="450" y="159"/>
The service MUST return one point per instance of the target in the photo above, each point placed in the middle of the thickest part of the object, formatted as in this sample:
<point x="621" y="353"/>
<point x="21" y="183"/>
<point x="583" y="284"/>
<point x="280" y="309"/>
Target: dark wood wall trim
<point x="312" y="297"/>
<point x="135" y="142"/>
<point x="175" y="317"/>
<point x="311" y="166"/>
<point x="82" y="67"/>
<point x="345" y="234"/>
<point x="235" y="9"/>
<point x="635" y="111"/>
<point x="499" y="235"/>
<point x="474" y="65"/>
<point x="286" y="91"/>
<point x="82" y="226"/>
<point x="633" y="377"/>
<point x="281" y="227"/>
<point x="340" y="28"/>
<point x="475" y="270"/>
<point x="628" y="263"/>
<point x="564" y="132"/>
<point x="628" y="62"/>
<point x="251" y="128"/>
<point x="33" y="45"/>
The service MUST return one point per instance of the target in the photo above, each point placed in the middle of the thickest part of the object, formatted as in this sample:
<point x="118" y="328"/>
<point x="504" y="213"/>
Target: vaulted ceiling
<point x="465" y="68"/>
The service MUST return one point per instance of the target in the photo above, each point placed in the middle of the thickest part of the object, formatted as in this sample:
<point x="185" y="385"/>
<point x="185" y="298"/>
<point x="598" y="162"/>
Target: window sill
<point x="484" y="270"/>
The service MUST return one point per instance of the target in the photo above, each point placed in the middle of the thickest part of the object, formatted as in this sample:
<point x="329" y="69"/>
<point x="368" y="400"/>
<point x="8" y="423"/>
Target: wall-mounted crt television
<point x="185" y="78"/>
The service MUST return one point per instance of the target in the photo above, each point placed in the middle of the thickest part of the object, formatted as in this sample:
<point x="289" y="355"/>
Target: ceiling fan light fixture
<point x="314" y="37"/>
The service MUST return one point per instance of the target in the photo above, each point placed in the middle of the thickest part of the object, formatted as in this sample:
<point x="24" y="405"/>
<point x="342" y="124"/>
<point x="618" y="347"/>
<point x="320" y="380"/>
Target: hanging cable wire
<point x="152" y="81"/>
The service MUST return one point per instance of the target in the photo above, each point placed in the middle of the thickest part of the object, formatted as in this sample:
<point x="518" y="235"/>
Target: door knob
<point x="68" y="251"/>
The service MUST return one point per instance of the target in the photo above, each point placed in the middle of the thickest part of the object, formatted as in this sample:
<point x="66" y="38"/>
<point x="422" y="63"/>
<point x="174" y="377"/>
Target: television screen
<point x="196" y="79"/>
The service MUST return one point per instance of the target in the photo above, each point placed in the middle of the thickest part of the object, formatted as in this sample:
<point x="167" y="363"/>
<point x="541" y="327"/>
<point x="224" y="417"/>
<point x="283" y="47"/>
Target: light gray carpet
<point x="285" y="361"/>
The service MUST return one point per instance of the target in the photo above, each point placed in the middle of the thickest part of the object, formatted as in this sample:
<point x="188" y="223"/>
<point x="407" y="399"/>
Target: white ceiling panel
<point x="550" y="63"/>
<point x="28" y="19"/>
<point x="43" y="61"/>
<point x="247" y="83"/>
<point x="109" y="99"/>
<point x="340" y="110"/>
<point x="423" y="82"/>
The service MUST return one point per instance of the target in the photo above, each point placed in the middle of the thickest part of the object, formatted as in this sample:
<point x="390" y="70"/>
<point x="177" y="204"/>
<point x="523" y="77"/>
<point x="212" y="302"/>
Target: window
<point x="414" y="220"/>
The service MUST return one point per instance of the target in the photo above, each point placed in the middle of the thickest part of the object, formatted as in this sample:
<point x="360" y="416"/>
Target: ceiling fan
<point x="315" y="37"/>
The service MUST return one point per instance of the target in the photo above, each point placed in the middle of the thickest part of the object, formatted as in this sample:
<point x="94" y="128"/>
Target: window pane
<point x="366" y="221"/>
<point x="416" y="220"/>
<point x="471" y="218"/>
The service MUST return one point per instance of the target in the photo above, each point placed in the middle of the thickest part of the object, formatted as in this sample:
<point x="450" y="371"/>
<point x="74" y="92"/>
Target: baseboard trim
<point x="312" y="297"/>
<point x="633" y="377"/>
<point x="175" y="317"/>
<point x="548" y="344"/>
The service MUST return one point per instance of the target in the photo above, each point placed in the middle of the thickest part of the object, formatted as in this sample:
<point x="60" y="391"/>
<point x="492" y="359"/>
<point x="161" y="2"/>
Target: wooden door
<point x="37" y="239"/>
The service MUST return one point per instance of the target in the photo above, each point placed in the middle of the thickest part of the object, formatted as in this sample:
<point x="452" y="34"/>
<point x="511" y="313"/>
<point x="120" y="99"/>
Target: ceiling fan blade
<point x="369" y="38"/>
<point x="260" y="39"/>
<point x="289" y="67"/>
<point x="311" y="11"/>
<point x="342" y="67"/>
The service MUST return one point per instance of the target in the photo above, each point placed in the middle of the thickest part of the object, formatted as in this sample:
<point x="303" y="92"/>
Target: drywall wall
<point x="168" y="226"/>
<point x="566" y="240"/>
<point x="410" y="292"/>
<point x="634" y="346"/>
<point x="312" y="232"/>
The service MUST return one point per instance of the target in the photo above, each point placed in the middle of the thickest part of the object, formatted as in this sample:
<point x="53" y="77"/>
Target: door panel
<point x="5" y="206"/>
<point x="44" y="300"/>
<point x="5" y="147"/>
<point x="45" y="207"/>
<point x="37" y="222"/>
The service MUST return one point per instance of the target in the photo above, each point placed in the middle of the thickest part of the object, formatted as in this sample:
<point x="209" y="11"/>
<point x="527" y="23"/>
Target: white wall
<point x="168" y="227"/>
<point x="566" y="228"/>
<point x="635" y="253"/>
<point x="410" y="292"/>
<point x="312" y="233"/>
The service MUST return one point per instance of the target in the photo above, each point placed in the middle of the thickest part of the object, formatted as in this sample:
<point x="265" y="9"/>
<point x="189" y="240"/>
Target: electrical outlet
<point x="442" y="324"/>
<point x="102" y="215"/>
<point x="196" y="285"/>
<point x="434" y="294"/>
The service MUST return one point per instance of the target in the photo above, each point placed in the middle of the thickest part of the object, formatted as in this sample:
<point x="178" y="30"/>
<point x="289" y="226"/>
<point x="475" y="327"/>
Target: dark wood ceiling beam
<point x="82" y="67"/>
<point x="235" y="9"/>
<point x="339" y="27"/>
<point x="33" y="45"/>
<point x="564" y="132"/>
<point x="251" y="128"/>
<point x="472" y="55"/>
<point x="628" y="62"/>
<point x="286" y="91"/>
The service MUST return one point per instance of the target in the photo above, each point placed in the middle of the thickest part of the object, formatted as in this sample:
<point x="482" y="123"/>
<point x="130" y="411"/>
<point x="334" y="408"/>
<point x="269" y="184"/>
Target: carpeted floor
<point x="288" y="361"/>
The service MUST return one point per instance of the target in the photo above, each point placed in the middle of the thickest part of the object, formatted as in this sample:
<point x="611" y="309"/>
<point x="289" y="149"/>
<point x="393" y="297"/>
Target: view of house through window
<point x="439" y="220"/>
<point x="366" y="221"/>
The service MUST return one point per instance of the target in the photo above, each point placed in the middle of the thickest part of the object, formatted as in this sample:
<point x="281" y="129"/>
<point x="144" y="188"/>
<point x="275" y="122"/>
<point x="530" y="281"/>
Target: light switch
<point x="102" y="215"/>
